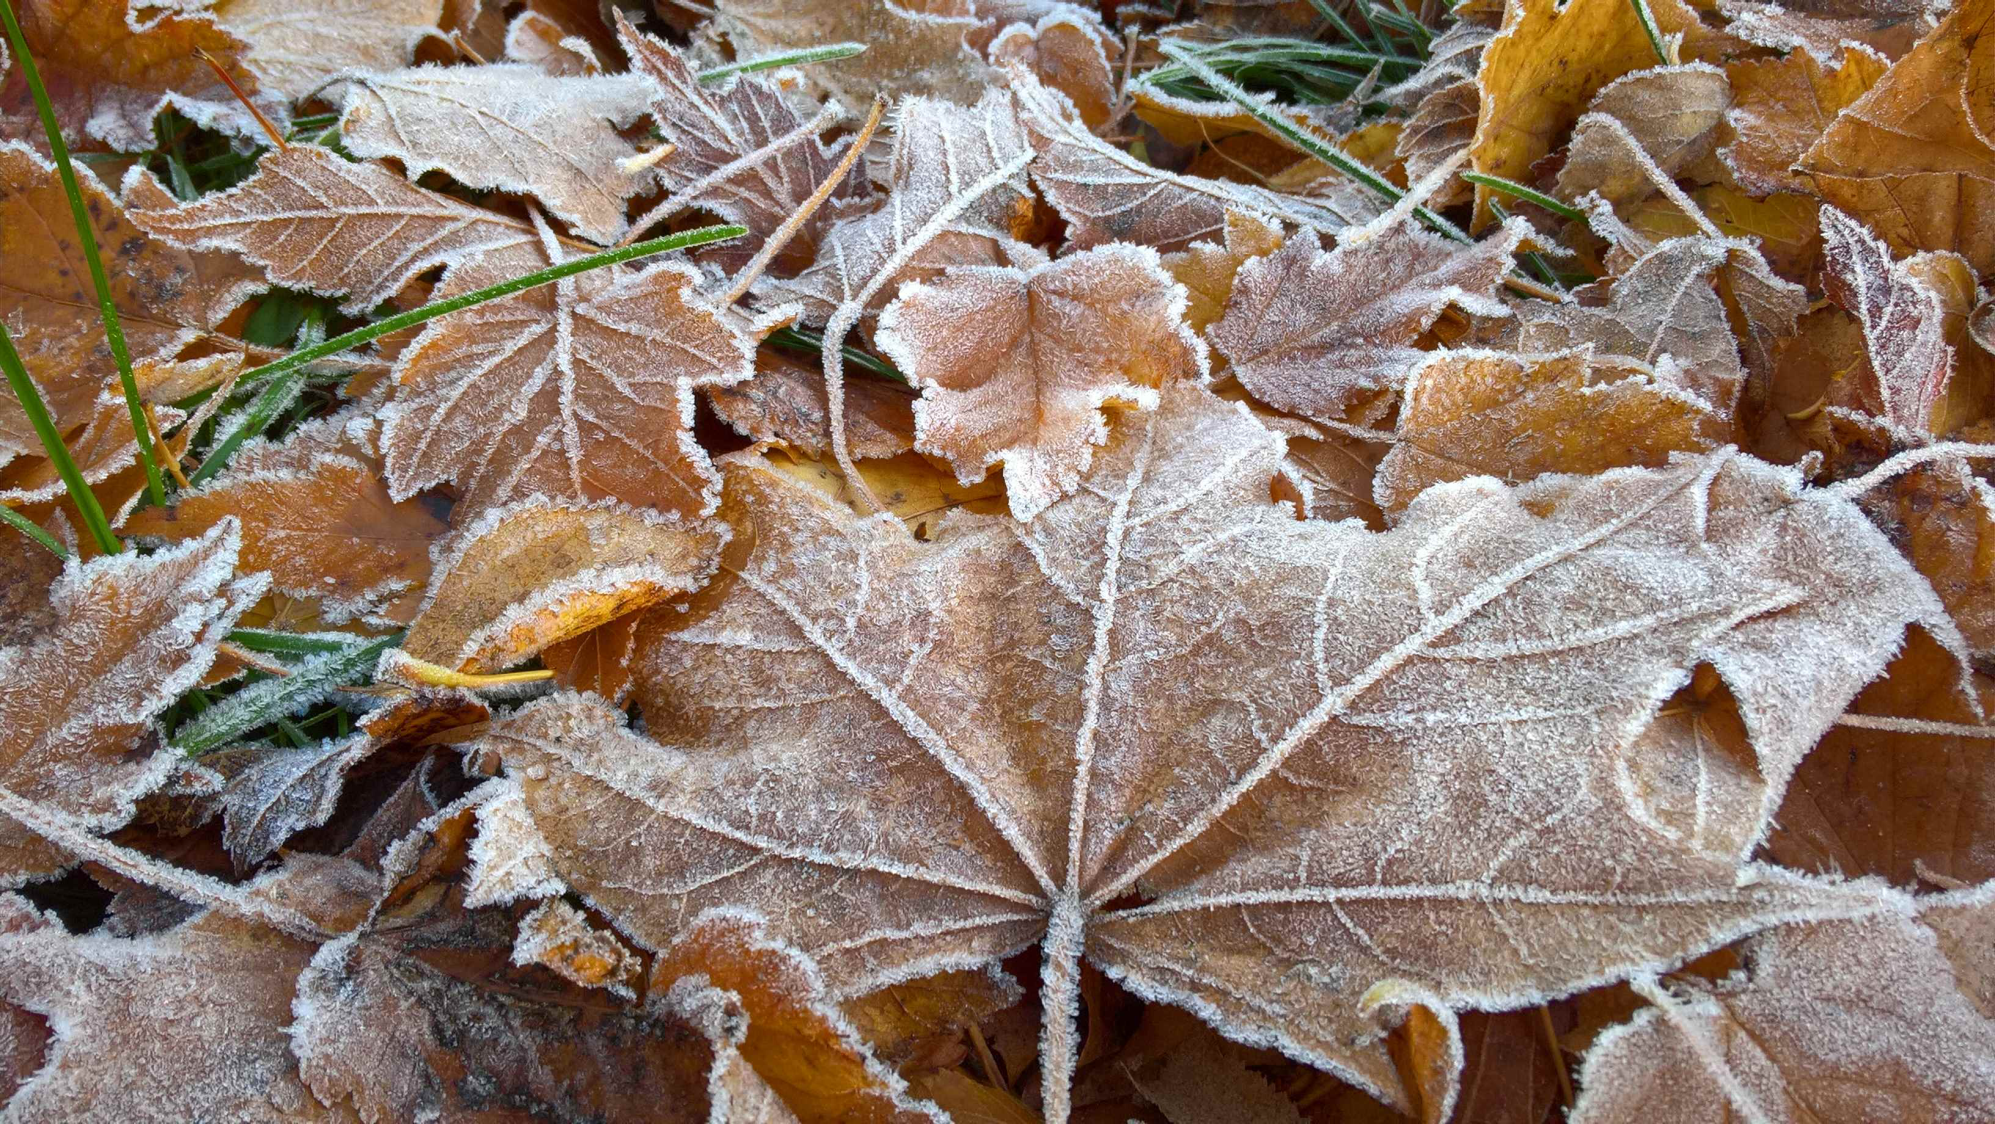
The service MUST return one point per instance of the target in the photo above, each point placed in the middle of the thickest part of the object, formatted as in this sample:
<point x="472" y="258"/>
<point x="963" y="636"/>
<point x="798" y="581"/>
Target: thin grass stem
<point x="107" y="310"/>
<point x="826" y="53"/>
<point x="1647" y="19"/>
<point x="58" y="453"/>
<point x="27" y="527"/>
<point x="1528" y="195"/>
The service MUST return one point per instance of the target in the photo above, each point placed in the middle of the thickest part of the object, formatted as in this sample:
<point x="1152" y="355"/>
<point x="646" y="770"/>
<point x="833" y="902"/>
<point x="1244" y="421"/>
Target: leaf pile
<point x="1327" y="562"/>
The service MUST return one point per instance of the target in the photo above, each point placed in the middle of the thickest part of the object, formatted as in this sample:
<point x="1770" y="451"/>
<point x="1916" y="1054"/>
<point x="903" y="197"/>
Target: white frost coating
<point x="510" y="860"/>
<point x="736" y="1094"/>
<point x="1903" y="318"/>
<point x="876" y="743"/>
<point x="506" y="127"/>
<point x="284" y="792"/>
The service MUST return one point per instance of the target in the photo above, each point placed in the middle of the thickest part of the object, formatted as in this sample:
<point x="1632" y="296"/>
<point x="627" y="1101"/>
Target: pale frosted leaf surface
<point x="530" y="574"/>
<point x="1017" y="365"/>
<point x="1663" y="315"/>
<point x="510" y="860"/>
<point x="956" y="183"/>
<point x="187" y="1025"/>
<point x="582" y="389"/>
<point x="1454" y="55"/>
<point x="534" y="38"/>
<point x="1903" y="319"/>
<point x="1316" y="332"/>
<point x="1464" y="685"/>
<point x="719" y="127"/>
<point x="110" y="71"/>
<point x="129" y="635"/>
<point x="384" y="1024"/>
<point x="1208" y="270"/>
<point x="1442" y="125"/>
<point x="166" y="297"/>
<point x="1491" y="413"/>
<point x="1829" y="1022"/>
<point x="915" y="49"/>
<point x="283" y="791"/>
<point x="1107" y="195"/>
<point x="315" y="514"/>
<point x="1963" y="921"/>
<point x="785" y="402"/>
<point x="1671" y="113"/>
<point x="1888" y="28"/>
<point x="294" y="48"/>
<point x="327" y="225"/>
<point x="1780" y="107"/>
<point x="507" y="127"/>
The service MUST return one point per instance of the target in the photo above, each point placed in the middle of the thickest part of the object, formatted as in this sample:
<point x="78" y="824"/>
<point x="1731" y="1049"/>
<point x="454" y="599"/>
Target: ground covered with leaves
<point x="1198" y="562"/>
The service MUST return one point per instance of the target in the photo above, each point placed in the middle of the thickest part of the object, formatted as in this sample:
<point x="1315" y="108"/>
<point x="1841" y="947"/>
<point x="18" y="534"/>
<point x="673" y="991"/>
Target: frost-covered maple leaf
<point x="1246" y="765"/>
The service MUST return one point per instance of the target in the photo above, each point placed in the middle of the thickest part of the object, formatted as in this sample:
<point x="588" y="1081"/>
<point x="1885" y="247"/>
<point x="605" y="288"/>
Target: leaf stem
<point x="1528" y="195"/>
<point x="218" y="458"/>
<point x="1313" y="145"/>
<point x="27" y="527"/>
<point x="58" y="453"/>
<point x="107" y="311"/>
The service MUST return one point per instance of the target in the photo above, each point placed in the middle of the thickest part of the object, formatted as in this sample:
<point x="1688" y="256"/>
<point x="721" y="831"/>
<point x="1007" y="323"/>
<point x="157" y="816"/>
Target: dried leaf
<point x="1066" y="51"/>
<point x="1841" y="1020"/>
<point x="598" y="660"/>
<point x="1904" y="323"/>
<point x="338" y="227"/>
<point x="897" y="809"/>
<point x="596" y="374"/>
<point x="533" y="38"/>
<point x="1671" y="113"/>
<point x="315" y="514"/>
<point x="1045" y="350"/>
<point x="294" y="50"/>
<point x="284" y="791"/>
<point x="1107" y="195"/>
<point x="506" y="127"/>
<point x="785" y="403"/>
<point x="1780" y="109"/>
<point x="1317" y="333"/>
<point x="558" y="937"/>
<point x="1492" y="413"/>
<point x="1943" y="517"/>
<point x="110" y="71"/>
<point x="1208" y="270"/>
<point x="128" y="635"/>
<point x="915" y="50"/>
<point x="1442" y="125"/>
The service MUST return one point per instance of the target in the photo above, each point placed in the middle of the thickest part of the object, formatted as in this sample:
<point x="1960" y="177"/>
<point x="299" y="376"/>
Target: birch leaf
<point x="77" y="701"/>
<point x="1834" y="1021"/>
<point x="1107" y="195"/>
<point x="1316" y="333"/>
<point x="1903" y="319"/>
<point x="532" y="574"/>
<point x="338" y="227"/>
<point x="1296" y="818"/>
<point x="1045" y="351"/>
<point x="594" y="376"/>
<point x="507" y="127"/>
<point x="293" y="49"/>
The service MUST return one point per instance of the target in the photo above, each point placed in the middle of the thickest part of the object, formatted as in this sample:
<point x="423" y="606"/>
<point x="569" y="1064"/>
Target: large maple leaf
<point x="1245" y="764"/>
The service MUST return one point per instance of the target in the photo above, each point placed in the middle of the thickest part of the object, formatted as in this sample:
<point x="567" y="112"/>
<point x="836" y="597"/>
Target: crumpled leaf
<point x="1911" y="158"/>
<point x="1822" y="28"/>
<point x="915" y="49"/>
<point x="1944" y="518"/>
<point x="1107" y="195"/>
<point x="1904" y="323"/>
<point x="338" y="227"/>
<point x="1671" y="113"/>
<point x="294" y="49"/>
<point x="186" y="1025"/>
<point x="1016" y="365"/>
<point x="1318" y="333"/>
<point x="1781" y="107"/>
<point x="785" y="402"/>
<point x="534" y="38"/>
<point x="128" y="635"/>
<point x="1493" y="413"/>
<point x="534" y="573"/>
<point x="166" y="298"/>
<point x="283" y="791"/>
<point x="315" y="513"/>
<point x="1208" y="270"/>
<point x="1442" y="125"/>
<point x="507" y="127"/>
<point x="1545" y="64"/>
<point x="717" y="126"/>
<point x="110" y="71"/>
<point x="558" y="937"/>
<point x="594" y="375"/>
<point x="1302" y="812"/>
<point x="1837" y="1020"/>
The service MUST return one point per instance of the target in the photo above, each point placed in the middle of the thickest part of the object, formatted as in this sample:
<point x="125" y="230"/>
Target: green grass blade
<point x="278" y="643"/>
<point x="27" y="527"/>
<point x="58" y="453"/>
<point x="1528" y="195"/>
<point x="825" y="53"/>
<point x="1648" y="21"/>
<point x="114" y="331"/>
<point x="805" y="340"/>
<point x="278" y="395"/>
<point x="270" y="700"/>
<point x="218" y="459"/>
<point x="1313" y="145"/>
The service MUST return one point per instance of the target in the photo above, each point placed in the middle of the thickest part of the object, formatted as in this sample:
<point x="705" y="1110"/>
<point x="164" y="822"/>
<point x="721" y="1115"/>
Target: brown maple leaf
<point x="1385" y="734"/>
<point x="910" y="50"/>
<point x="1781" y="108"/>
<point x="1047" y="348"/>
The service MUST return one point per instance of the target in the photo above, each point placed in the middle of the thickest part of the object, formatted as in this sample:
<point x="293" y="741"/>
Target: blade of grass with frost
<point x="218" y="458"/>
<point x="107" y="310"/>
<point x="27" y="527"/>
<point x="799" y="57"/>
<point x="1648" y="21"/>
<point x="278" y="643"/>
<point x="1312" y="145"/>
<point x="1528" y="195"/>
<point x="58" y="453"/>
<point x="265" y="702"/>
